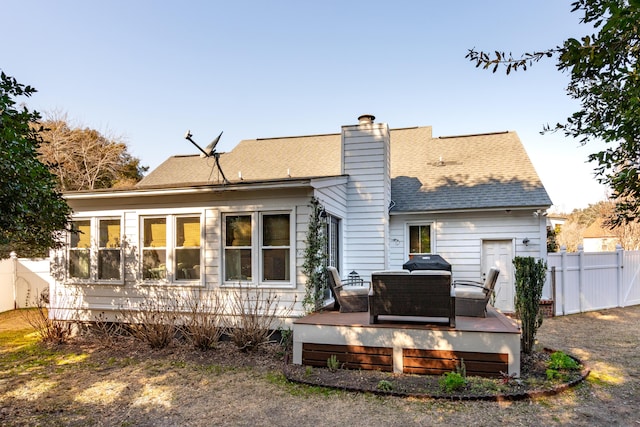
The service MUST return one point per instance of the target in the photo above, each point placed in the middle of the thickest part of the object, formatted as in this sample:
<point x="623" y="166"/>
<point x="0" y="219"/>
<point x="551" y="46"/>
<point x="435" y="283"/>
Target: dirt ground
<point x="126" y="384"/>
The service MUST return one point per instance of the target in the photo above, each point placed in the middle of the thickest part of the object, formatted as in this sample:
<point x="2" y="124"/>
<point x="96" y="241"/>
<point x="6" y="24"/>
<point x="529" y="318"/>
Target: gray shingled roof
<point x="465" y="172"/>
<point x="428" y="174"/>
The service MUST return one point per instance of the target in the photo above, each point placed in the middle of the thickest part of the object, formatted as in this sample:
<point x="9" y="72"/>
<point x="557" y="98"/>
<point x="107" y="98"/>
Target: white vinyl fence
<point x="22" y="280"/>
<point x="587" y="281"/>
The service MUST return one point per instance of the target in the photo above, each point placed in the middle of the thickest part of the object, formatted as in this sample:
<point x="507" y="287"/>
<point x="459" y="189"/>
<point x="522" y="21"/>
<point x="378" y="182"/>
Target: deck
<point x="489" y="346"/>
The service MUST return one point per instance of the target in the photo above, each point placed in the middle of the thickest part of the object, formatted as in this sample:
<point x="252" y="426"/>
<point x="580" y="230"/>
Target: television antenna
<point x="209" y="151"/>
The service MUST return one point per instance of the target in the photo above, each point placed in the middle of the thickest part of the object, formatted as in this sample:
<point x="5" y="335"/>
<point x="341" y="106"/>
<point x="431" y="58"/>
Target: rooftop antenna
<point x="209" y="151"/>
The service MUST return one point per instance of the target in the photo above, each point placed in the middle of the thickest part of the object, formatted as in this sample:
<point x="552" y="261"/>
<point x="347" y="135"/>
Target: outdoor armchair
<point x="348" y="298"/>
<point x="472" y="297"/>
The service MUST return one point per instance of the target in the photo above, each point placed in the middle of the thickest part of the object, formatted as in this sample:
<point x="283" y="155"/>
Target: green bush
<point x="452" y="381"/>
<point x="560" y="360"/>
<point x="530" y="277"/>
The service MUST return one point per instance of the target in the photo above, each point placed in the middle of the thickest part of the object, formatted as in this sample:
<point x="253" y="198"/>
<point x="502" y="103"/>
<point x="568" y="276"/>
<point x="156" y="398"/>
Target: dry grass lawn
<point x="89" y="383"/>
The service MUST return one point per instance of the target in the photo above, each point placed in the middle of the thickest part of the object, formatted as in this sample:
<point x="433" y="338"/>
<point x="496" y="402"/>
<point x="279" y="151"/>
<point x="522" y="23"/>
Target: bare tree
<point x="85" y="159"/>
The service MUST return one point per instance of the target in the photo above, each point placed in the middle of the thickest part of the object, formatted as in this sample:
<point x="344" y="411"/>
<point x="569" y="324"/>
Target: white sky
<point x="150" y="70"/>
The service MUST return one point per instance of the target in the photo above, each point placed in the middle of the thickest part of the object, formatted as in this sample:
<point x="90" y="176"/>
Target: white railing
<point x="587" y="281"/>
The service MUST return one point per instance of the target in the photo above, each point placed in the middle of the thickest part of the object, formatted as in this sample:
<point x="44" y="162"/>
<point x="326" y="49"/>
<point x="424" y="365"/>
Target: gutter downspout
<point x="14" y="259"/>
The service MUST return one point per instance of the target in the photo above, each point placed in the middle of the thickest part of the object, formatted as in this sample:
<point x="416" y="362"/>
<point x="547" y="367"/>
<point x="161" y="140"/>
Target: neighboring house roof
<point x="597" y="230"/>
<point x="428" y="174"/>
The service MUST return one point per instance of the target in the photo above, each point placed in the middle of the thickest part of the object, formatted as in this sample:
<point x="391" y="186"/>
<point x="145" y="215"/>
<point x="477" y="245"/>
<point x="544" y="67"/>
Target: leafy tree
<point x="85" y="159"/>
<point x="605" y="79"/>
<point x="530" y="278"/>
<point x="32" y="211"/>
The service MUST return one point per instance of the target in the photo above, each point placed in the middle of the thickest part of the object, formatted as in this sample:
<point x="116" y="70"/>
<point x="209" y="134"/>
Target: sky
<point x="148" y="71"/>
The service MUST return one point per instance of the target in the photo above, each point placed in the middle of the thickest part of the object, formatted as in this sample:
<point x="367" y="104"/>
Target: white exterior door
<point x="499" y="253"/>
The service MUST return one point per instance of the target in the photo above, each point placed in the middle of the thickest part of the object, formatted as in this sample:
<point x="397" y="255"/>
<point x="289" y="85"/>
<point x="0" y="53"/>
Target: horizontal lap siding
<point x="459" y="237"/>
<point x="349" y="356"/>
<point x="438" y="362"/>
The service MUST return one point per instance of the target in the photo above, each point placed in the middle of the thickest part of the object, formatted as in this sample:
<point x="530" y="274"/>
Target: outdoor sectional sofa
<point x="420" y="293"/>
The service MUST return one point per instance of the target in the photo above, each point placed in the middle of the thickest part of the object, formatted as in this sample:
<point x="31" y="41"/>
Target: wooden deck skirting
<point x="488" y="346"/>
<point x="349" y="356"/>
<point x="437" y="362"/>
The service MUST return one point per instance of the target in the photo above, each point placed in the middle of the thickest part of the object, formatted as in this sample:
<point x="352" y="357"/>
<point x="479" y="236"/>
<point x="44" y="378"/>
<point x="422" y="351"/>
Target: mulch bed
<point x="533" y="382"/>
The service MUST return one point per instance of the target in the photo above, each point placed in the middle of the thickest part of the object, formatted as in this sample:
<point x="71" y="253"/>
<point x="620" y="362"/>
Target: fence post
<point x="619" y="275"/>
<point x="14" y="278"/>
<point x="580" y="277"/>
<point x="553" y="290"/>
<point x="563" y="265"/>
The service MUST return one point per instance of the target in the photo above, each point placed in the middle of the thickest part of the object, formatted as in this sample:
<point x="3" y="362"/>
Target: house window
<point x="420" y="239"/>
<point x="109" y="253"/>
<point x="187" y="249"/>
<point x="333" y="241"/>
<point x="276" y="246"/>
<point x="237" y="249"/>
<point x="95" y="250"/>
<point x="259" y="241"/>
<point x="171" y="248"/>
<point x="154" y="248"/>
<point x="80" y="250"/>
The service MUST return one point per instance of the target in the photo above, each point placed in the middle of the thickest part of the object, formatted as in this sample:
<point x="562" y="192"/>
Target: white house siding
<point x="366" y="160"/>
<point x="459" y="237"/>
<point x="95" y="298"/>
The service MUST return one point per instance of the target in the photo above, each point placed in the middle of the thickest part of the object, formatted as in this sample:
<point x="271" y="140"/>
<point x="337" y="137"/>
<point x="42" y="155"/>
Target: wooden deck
<point x="488" y="345"/>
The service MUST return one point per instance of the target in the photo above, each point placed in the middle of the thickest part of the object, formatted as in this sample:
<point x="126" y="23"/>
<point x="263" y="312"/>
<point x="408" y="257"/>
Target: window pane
<point x="275" y="264"/>
<point x="275" y="230"/>
<point x="79" y="263"/>
<point x="187" y="264"/>
<point x="238" y="229"/>
<point x="110" y="233"/>
<point x="420" y="239"/>
<point x="82" y="239"/>
<point x="155" y="232"/>
<point x="153" y="263"/>
<point x="188" y="231"/>
<point x="237" y="264"/>
<point x="109" y="264"/>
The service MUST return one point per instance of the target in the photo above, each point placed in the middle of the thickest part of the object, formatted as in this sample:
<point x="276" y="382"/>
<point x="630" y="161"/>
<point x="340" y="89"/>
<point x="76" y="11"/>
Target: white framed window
<point x="95" y="250"/>
<point x="420" y="238"/>
<point x="171" y="248"/>
<point x="276" y="247"/>
<point x="257" y="248"/>
<point x="238" y="248"/>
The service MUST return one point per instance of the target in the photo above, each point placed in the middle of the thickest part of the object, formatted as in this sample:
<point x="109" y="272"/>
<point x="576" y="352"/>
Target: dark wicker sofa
<point x="421" y="293"/>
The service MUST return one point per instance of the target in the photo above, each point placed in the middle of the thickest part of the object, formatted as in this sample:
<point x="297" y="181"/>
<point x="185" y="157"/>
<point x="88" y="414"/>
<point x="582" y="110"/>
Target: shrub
<point x="452" y="381"/>
<point x="561" y="360"/>
<point x="253" y="317"/>
<point x="530" y="277"/>
<point x="154" y="321"/>
<point x="203" y="324"/>
<point x="384" y="385"/>
<point x="49" y="327"/>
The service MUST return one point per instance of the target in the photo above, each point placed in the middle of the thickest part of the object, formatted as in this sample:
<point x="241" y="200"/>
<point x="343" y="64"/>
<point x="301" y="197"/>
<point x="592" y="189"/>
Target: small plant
<point x="452" y="381"/>
<point x="560" y="360"/>
<point x="333" y="363"/>
<point x="286" y="339"/>
<point x="308" y="370"/>
<point x="384" y="385"/>
<point x="462" y="369"/>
